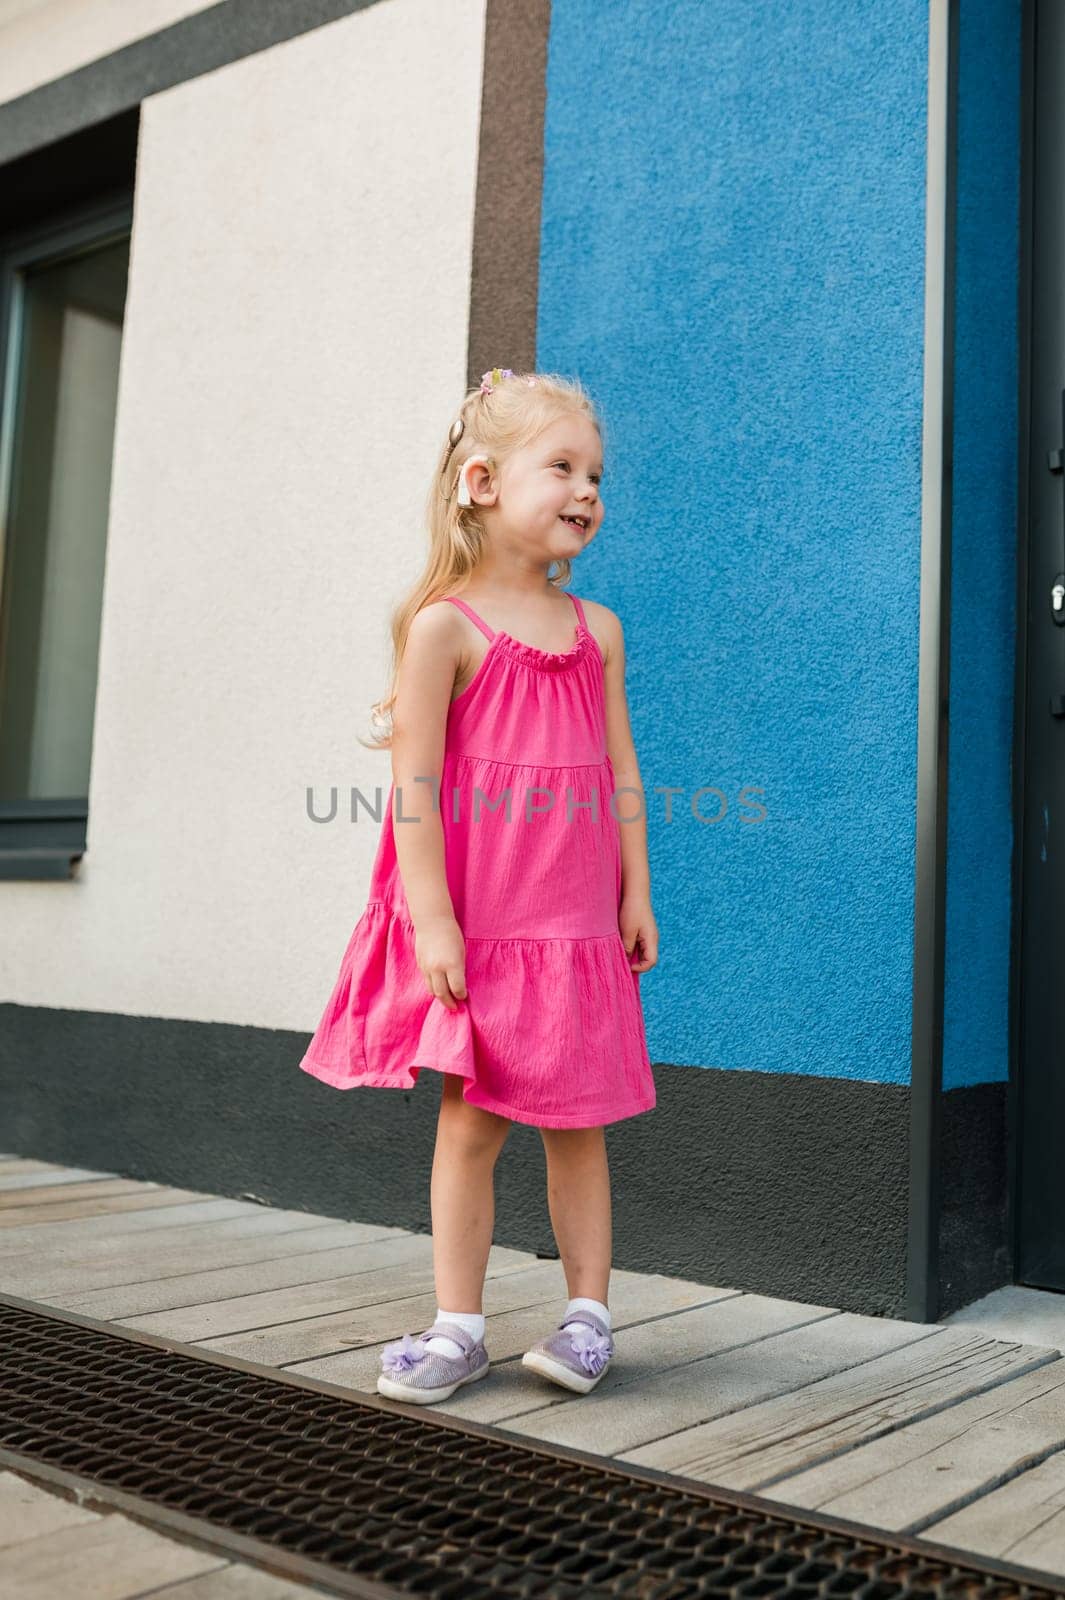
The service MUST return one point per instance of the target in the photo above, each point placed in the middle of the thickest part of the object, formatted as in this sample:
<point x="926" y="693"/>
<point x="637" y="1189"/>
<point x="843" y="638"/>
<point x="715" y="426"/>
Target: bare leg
<point x="578" y="1198"/>
<point x="462" y="1196"/>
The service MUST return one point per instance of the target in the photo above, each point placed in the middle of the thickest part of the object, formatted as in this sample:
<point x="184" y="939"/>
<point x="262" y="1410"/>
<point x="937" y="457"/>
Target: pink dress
<point x="551" y="1031"/>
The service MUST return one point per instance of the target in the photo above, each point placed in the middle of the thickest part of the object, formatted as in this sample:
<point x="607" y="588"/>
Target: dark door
<point x="1040" y="1103"/>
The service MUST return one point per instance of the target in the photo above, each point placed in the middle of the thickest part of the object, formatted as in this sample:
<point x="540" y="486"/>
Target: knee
<point x="470" y="1130"/>
<point x="573" y="1141"/>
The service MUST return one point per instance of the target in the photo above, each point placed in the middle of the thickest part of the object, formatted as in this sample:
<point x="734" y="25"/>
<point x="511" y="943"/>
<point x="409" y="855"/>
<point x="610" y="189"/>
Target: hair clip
<point x="492" y="377"/>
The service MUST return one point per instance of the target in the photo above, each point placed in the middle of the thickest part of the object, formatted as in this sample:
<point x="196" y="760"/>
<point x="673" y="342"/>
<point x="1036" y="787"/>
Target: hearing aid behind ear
<point x="463" y="495"/>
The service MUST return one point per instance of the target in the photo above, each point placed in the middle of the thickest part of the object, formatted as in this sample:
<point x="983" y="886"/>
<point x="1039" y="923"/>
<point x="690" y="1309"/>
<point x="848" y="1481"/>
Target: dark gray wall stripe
<point x="783" y="1184"/>
<point x="779" y="1184"/>
<point x="198" y="44"/>
<point x="506" y="236"/>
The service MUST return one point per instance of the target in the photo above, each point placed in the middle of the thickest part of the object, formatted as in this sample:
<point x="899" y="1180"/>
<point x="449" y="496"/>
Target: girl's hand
<point x="639" y="932"/>
<point x="440" y="951"/>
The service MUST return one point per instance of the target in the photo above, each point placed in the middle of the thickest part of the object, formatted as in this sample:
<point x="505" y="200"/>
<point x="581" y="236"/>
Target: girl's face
<point x="557" y="476"/>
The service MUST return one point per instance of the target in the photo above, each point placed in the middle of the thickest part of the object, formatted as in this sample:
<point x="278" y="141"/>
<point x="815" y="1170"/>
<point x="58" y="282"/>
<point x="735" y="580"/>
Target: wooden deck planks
<point x="904" y="1426"/>
<point x="73" y="1269"/>
<point x="915" y="1477"/>
<point x="377" y="1273"/>
<point x="741" y="1358"/>
<point x="307" y="1275"/>
<point x="1022" y="1521"/>
<point x="38" y="1175"/>
<point x="755" y="1447"/>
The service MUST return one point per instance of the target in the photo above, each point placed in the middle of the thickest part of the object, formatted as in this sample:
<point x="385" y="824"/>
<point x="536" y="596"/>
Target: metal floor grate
<point x="360" y="1495"/>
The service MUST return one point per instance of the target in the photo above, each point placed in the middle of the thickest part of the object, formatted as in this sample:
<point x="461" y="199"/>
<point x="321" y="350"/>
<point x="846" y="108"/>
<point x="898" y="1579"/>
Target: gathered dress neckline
<point x="550" y="660"/>
<point x="538" y="657"/>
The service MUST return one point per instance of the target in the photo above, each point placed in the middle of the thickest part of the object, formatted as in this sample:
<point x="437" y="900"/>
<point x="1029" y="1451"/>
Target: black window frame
<point x="43" y="838"/>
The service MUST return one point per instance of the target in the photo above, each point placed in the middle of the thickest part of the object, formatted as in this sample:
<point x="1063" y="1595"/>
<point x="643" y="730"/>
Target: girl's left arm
<point x="639" y="930"/>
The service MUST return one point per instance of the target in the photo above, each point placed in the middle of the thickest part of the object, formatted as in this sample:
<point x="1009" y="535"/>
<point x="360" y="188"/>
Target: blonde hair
<point x="514" y="413"/>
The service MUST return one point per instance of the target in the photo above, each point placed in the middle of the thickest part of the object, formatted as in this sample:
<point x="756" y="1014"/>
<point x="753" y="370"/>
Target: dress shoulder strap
<point x="489" y="633"/>
<point x="580" y="610"/>
<point x="471" y="613"/>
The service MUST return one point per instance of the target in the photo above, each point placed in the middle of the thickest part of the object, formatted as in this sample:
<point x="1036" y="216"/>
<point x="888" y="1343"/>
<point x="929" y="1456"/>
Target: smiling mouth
<point x="577" y="522"/>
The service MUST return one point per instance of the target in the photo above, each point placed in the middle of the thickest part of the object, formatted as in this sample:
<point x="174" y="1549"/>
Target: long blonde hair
<point x="509" y="416"/>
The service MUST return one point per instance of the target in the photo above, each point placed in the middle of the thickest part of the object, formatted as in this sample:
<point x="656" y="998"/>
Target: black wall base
<point x="974" y="1254"/>
<point x="783" y="1185"/>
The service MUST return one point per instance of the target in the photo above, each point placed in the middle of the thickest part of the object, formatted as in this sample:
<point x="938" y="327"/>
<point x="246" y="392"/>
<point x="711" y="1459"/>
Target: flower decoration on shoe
<point x="402" y="1354"/>
<point x="592" y="1349"/>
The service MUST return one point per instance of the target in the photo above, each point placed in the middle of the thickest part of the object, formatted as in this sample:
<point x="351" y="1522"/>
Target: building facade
<point x="804" y="257"/>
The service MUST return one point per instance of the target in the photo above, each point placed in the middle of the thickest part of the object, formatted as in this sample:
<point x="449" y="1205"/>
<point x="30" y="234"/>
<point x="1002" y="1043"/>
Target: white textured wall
<point x="43" y="39"/>
<point x="295" y="342"/>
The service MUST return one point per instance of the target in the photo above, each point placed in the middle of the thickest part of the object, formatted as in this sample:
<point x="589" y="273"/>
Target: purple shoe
<point x="411" y="1371"/>
<point x="574" y="1357"/>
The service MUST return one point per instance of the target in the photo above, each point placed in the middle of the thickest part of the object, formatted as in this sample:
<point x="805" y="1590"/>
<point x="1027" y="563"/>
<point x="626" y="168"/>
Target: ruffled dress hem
<point x="381" y="1028"/>
<point x="376" y="1080"/>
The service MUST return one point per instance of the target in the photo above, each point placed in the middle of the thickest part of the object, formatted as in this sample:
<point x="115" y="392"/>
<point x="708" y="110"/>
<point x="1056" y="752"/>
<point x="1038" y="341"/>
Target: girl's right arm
<point x="419" y="719"/>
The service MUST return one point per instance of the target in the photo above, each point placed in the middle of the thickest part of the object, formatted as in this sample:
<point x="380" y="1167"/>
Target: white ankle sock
<point x="581" y="1303"/>
<point x="471" y="1321"/>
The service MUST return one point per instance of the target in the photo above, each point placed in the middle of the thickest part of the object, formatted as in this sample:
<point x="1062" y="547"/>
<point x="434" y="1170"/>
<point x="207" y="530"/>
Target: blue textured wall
<point x="732" y="260"/>
<point x="975" y="1038"/>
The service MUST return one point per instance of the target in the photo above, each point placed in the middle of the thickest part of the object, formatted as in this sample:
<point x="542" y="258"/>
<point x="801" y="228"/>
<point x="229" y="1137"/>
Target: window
<point x="62" y="298"/>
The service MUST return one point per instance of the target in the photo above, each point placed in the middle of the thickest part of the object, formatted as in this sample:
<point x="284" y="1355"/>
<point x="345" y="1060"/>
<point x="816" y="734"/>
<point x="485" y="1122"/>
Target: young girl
<point x="509" y="914"/>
